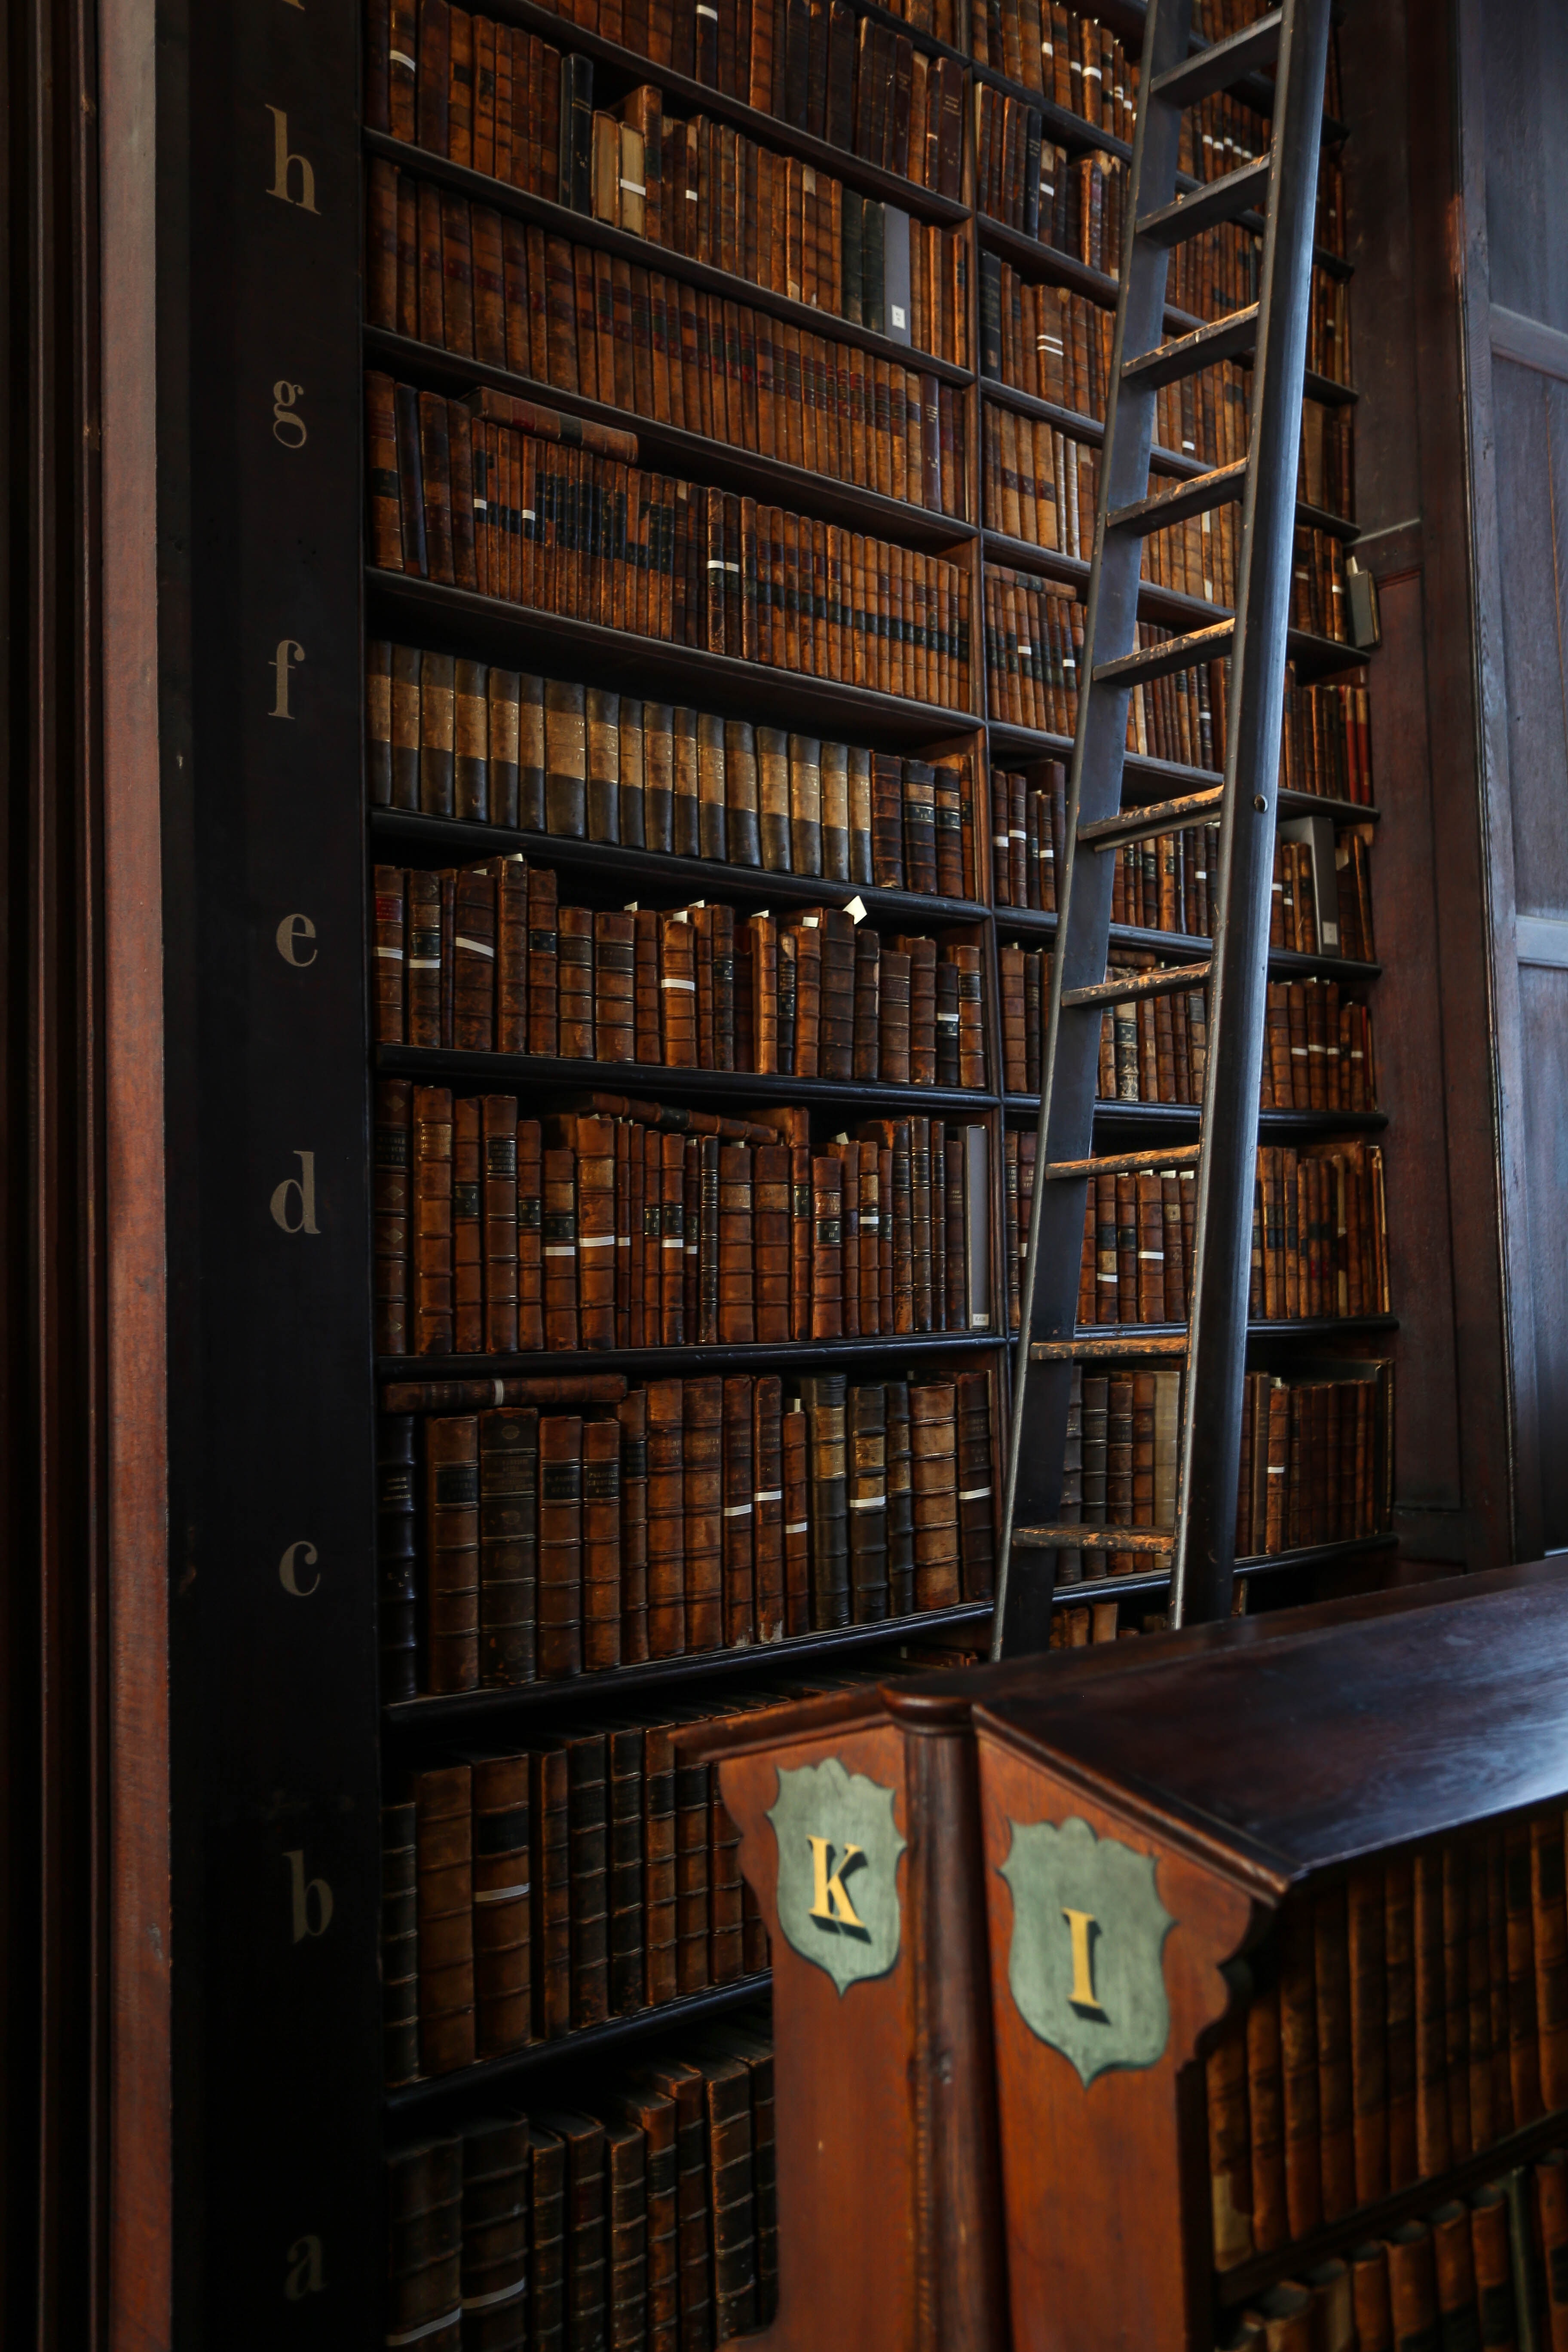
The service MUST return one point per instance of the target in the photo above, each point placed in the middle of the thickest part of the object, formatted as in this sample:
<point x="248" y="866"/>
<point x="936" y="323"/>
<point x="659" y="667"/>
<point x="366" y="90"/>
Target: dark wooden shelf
<point x="1157" y="780"/>
<point x="611" y="2040"/>
<point x="582" y="228"/>
<point x="689" y="454"/>
<point x="1141" y="1582"/>
<point x="721" y="683"/>
<point x="1048" y="262"/>
<point x="677" y="1364"/>
<point x="1182" y="1119"/>
<point x="730" y="1088"/>
<point x="417" y="835"/>
<point x="619" y="1687"/>
<point x="1285" y="963"/>
<point x="770" y="129"/>
<point x="1378" y="2220"/>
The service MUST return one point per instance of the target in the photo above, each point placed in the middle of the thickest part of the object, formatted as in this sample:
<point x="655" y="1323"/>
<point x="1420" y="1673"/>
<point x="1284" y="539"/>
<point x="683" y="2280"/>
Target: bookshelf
<point x="241" y="1695"/>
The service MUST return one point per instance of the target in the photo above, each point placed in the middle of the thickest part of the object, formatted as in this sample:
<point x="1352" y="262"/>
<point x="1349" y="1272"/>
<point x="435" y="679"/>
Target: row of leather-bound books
<point x="646" y="2220"/>
<point x="1034" y="639"/>
<point x="1316" y="1456"/>
<point x="1075" y="204"/>
<point x="1318" y="1052"/>
<point x="634" y="1224"/>
<point x="1074" y="61"/>
<point x="1320" y="1236"/>
<point x="703" y="189"/>
<point x="1488" y="2267"/>
<point x="1043" y="339"/>
<point x="528" y="1896"/>
<point x="455" y="738"/>
<point x="472" y="494"/>
<point x="503" y="292"/>
<point x="495" y="98"/>
<point x="1040" y="485"/>
<point x="483" y="960"/>
<point x="1162" y="883"/>
<point x="1399" y="2024"/>
<point x="672" y="1518"/>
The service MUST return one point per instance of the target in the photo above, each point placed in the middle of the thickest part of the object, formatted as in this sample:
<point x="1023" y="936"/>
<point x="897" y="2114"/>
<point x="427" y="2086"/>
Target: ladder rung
<point x="1123" y="989"/>
<point x="1225" y="62"/>
<point x="1225" y="199"/>
<point x="1071" y="1538"/>
<point x="1126" y="1163"/>
<point x="1172" y="653"/>
<point x="1222" y="338"/>
<point x="1159" y="816"/>
<point x="1221" y="488"/>
<point x="1119" y="1341"/>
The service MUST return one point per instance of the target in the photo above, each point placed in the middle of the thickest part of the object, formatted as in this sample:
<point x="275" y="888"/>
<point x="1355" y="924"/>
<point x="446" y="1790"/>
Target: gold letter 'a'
<point x="828" y="1899"/>
<point x="1082" y="1995"/>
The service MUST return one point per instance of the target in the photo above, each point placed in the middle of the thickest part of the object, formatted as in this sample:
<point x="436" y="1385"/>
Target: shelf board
<point x="1157" y="780"/>
<point x="737" y="1356"/>
<point x="1150" y="1581"/>
<point x="582" y="228"/>
<point x="721" y="683"/>
<point x="733" y="1088"/>
<point x="689" y="454"/>
<point x="770" y="130"/>
<point x="620" y="1686"/>
<point x="418" y="836"/>
<point x="1182" y="1119"/>
<point x="614" y="2039"/>
<point x="1048" y="262"/>
<point x="1286" y="963"/>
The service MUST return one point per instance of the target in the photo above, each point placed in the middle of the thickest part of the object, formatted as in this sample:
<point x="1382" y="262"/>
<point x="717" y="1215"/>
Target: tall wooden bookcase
<point x="195" y="1751"/>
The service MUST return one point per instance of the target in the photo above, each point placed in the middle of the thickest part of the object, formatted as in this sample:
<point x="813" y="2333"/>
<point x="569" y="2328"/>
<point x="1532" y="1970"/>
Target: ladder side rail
<point x="1069" y="1070"/>
<point x="1205" y="1545"/>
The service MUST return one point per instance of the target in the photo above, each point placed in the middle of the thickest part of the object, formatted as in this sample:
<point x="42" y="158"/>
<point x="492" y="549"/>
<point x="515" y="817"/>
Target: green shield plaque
<point x="838" y="1870"/>
<point x="1086" y="1964"/>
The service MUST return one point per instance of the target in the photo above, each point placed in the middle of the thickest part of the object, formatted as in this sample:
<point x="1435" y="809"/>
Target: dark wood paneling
<point x="1544" y="1010"/>
<point x="1524" y="56"/>
<point x="1531" y="441"/>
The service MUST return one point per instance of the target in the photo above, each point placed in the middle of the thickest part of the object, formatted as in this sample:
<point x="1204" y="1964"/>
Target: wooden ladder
<point x="1282" y="187"/>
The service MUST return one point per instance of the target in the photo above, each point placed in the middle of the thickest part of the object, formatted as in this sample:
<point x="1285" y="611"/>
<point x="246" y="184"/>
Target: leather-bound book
<point x="683" y="2086"/>
<point x="1457" y="1987"/>
<point x="726" y="1943"/>
<point x="390" y="1213"/>
<point x="432" y="1237"/>
<point x="495" y="2262"/>
<point x="574" y="1003"/>
<point x="387" y="955"/>
<point x="388" y="480"/>
<point x="1524" y="2062"/>
<point x="529" y="753"/>
<point x="403" y="68"/>
<point x="1433" y="2143"/>
<point x="1230" y="2171"/>
<point x="1491" y="2210"/>
<point x="512" y="954"/>
<point x="406" y="728"/>
<point x="583" y="2140"/>
<point x="395" y="1554"/>
<point x="503" y="1945"/>
<point x="1412" y="2284"/>
<point x="470" y="741"/>
<point x="1551" y="1944"/>
<point x="773" y="802"/>
<point x="437" y="735"/>
<point x="399" y="1947"/>
<point x="474" y="962"/>
<point x="976" y="1524"/>
<point x="451" y="1489"/>
<point x="693" y="1914"/>
<point x="728" y="2114"/>
<point x="625" y="1751"/>
<point x="1366" y="1952"/>
<point x="601" y="1544"/>
<point x="702" y="1460"/>
<point x="435" y="475"/>
<point x="529" y="1237"/>
<point x="826" y="1249"/>
<point x="1496" y="1973"/>
<point x="1458" y="2314"/>
<point x="444" y="1858"/>
<point x="425" y="2217"/>
<point x="866" y="1442"/>
<point x="467" y="1230"/>
<point x="566" y="760"/>
<point x="766" y="1406"/>
<point x="836" y="1047"/>
<point x="626" y="2203"/>
<point x="665" y="1518"/>
<point x="660" y="1929"/>
<point x="1299" y="2059"/>
<point x="415" y="546"/>
<point x="1270" y="2220"/>
<point x="825" y="1399"/>
<point x="547" y="2240"/>
<point x="933" y="1438"/>
<point x="1399" y="1964"/>
<point x="560" y="1590"/>
<point x="672" y="1243"/>
<point x="508" y="1475"/>
<point x="631" y="1414"/>
<point x="795" y="1462"/>
<point x="589" y="1856"/>
<point x="550" y="1900"/>
<point x="1551" y="2185"/>
<point x="1335" y="2105"/>
<point x="653" y="2118"/>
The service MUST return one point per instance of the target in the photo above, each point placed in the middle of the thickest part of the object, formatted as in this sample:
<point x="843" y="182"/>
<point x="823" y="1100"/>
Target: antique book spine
<point x="866" y="1442"/>
<point x="529" y="1237"/>
<point x="444" y="1858"/>
<point x="726" y="1907"/>
<point x="502" y="1939"/>
<point x="1270" y="2218"/>
<point x="1230" y="2170"/>
<point x="432" y="1233"/>
<point x="601" y="1544"/>
<point x="508" y="1475"/>
<point x="399" y="1946"/>
<point x="1550" y="1941"/>
<point x="396" y="1554"/>
<point x="825" y="1397"/>
<point x="768" y="1504"/>
<point x="587" y="1812"/>
<point x="1298" y="2063"/>
<point x="703" y="1463"/>
<point x="794" y="1470"/>
<point x="624" y="1750"/>
<point x="631" y="1414"/>
<point x="692" y="1905"/>
<point x="729" y="2120"/>
<point x="560" y="1545"/>
<point x="738" y="1509"/>
<point x="933" y="1445"/>
<point x="661" y="1935"/>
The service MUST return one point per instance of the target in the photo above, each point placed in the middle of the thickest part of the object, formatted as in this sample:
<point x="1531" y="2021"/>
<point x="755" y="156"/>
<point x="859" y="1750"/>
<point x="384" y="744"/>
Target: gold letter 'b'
<point x="828" y="1899"/>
